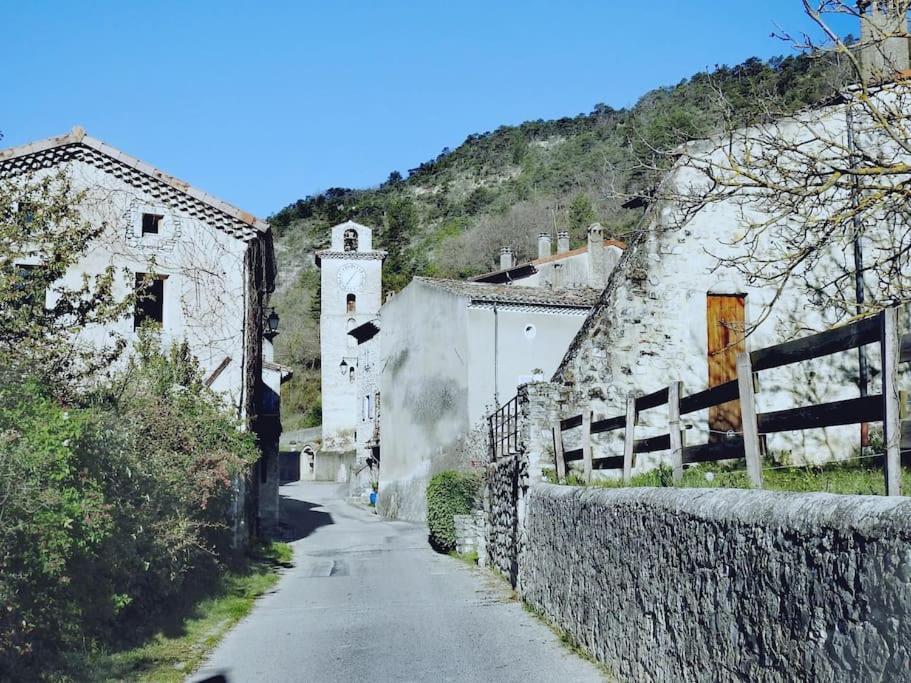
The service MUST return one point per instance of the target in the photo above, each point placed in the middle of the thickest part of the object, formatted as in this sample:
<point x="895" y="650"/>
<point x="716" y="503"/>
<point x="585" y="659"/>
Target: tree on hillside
<point x="811" y="187"/>
<point x="401" y="224"/>
<point x="581" y="213"/>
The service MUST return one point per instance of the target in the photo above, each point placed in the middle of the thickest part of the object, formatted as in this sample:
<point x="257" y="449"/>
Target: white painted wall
<point x="424" y="389"/>
<point x="204" y="290"/>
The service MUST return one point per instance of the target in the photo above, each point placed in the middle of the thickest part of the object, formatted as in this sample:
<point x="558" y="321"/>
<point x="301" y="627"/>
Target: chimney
<point x="505" y="258"/>
<point x="543" y="244"/>
<point x="597" y="276"/>
<point x="562" y="242"/>
<point x="883" y="40"/>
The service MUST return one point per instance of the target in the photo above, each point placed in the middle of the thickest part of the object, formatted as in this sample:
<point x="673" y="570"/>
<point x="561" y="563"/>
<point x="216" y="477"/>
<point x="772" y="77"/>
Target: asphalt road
<point x="368" y="600"/>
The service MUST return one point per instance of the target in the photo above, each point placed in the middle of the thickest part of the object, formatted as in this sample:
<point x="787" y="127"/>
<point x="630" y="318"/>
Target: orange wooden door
<point x="726" y="327"/>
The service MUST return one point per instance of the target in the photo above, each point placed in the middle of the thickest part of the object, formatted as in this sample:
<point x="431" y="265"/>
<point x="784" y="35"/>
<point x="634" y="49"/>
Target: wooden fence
<point x="884" y="407"/>
<point x="504" y="429"/>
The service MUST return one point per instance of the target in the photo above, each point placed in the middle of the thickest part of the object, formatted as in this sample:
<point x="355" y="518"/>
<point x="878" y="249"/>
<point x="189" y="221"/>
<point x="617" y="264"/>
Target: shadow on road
<point x="299" y="519"/>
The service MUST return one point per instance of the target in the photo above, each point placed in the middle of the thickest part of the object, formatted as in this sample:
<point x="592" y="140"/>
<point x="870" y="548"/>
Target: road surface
<point x="368" y="600"/>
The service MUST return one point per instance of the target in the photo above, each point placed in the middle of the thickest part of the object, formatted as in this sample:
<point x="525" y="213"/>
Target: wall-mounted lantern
<point x="270" y="328"/>
<point x="343" y="368"/>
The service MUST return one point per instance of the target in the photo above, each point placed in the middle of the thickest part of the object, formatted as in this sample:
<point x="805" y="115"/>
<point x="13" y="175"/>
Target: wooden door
<point x="726" y="326"/>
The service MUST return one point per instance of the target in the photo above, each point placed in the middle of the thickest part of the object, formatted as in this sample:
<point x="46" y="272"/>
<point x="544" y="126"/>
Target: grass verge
<point x="178" y="648"/>
<point x="864" y="478"/>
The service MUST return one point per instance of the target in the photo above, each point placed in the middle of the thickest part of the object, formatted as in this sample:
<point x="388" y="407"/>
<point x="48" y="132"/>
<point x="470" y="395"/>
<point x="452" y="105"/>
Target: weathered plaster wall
<point x="424" y="412"/>
<point x="671" y="584"/>
<point x="204" y="293"/>
<point x="650" y="329"/>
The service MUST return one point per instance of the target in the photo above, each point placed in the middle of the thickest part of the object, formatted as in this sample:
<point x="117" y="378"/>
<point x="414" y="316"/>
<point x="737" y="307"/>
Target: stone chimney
<point x="562" y="242"/>
<point x="543" y="244"/>
<point x="506" y="258"/>
<point x="597" y="275"/>
<point x="883" y="40"/>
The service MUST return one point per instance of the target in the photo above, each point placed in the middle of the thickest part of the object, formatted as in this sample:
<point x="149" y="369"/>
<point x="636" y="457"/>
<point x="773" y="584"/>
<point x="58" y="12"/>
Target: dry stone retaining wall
<point x="706" y="585"/>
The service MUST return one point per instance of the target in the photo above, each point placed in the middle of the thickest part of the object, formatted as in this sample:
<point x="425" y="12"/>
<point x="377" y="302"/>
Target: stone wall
<point x="501" y="505"/>
<point x="469" y="531"/>
<point x="688" y="584"/>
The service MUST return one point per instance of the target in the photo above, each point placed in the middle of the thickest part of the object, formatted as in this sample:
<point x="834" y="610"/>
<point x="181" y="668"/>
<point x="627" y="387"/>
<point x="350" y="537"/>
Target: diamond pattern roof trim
<point x="77" y="145"/>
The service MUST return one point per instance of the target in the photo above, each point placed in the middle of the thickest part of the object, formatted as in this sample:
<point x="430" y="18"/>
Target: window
<point x="351" y="375"/>
<point x="149" y="300"/>
<point x="151" y="223"/>
<point x="530" y="332"/>
<point x="351" y="302"/>
<point x="350" y="240"/>
<point x="369" y="400"/>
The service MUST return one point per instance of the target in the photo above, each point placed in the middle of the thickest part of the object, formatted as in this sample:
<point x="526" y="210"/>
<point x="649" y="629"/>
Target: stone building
<point x="351" y="292"/>
<point x="365" y="472"/>
<point x="450" y="351"/>
<point x="212" y="269"/>
<point x="586" y="266"/>
<point x="680" y="303"/>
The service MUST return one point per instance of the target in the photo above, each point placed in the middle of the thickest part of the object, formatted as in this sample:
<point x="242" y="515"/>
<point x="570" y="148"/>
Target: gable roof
<point x="478" y="292"/>
<point x="78" y="146"/>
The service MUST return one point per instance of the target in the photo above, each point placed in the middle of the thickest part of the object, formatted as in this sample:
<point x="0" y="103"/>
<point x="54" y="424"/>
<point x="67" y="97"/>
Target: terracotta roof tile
<point x="579" y="297"/>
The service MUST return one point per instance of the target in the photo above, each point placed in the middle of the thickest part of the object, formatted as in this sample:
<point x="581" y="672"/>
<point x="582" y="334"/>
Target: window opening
<point x="151" y="223"/>
<point x="350" y="240"/>
<point x="149" y="300"/>
<point x="351" y="301"/>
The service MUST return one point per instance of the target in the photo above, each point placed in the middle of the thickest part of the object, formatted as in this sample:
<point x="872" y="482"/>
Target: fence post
<point x="889" y="345"/>
<point x="629" y="438"/>
<point x="559" y="459"/>
<point x="674" y="392"/>
<point x="587" y="444"/>
<point x="748" y="419"/>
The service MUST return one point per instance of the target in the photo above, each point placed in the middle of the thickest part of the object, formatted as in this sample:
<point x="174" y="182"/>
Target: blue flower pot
<point x="373" y="498"/>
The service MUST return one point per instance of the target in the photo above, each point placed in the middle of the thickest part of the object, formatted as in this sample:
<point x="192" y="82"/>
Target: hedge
<point x="449" y="493"/>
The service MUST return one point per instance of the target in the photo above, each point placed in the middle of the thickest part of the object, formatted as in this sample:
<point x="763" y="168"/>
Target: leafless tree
<point x="822" y="196"/>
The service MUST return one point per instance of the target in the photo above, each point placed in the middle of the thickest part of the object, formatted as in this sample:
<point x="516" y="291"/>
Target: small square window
<point x="150" y="223"/>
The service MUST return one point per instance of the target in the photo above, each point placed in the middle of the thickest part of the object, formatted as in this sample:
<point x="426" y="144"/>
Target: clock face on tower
<point x="351" y="278"/>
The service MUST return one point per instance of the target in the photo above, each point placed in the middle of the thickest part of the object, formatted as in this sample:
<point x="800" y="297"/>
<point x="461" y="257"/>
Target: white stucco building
<point x="210" y="265"/>
<point x="350" y="295"/>
<point x="450" y="351"/>
<point x="587" y="266"/>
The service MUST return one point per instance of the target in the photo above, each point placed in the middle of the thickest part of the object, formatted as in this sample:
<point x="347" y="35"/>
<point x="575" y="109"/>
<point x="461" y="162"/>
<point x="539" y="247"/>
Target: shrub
<point x="111" y="507"/>
<point x="449" y="493"/>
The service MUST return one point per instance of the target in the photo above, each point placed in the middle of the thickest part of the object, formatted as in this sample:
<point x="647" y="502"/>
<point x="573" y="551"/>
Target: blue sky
<point x="261" y="103"/>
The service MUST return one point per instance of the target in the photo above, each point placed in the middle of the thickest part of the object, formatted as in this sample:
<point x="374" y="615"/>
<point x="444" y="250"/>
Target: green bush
<point x="449" y="493"/>
<point x="112" y="506"/>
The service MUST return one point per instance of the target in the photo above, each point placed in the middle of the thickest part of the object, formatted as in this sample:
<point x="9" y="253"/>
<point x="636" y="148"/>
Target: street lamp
<point x="271" y="325"/>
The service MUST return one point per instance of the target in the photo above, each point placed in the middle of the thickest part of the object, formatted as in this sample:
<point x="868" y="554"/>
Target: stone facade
<point x="676" y="584"/>
<point x="650" y="326"/>
<point x="214" y="264"/>
<point x="350" y="295"/>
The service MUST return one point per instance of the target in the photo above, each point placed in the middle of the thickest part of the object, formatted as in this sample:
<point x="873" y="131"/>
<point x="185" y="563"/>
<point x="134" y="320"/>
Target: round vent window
<point x="530" y="331"/>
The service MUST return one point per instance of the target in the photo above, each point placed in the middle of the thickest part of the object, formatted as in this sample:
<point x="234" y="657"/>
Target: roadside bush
<point x="110" y="507"/>
<point x="449" y="493"/>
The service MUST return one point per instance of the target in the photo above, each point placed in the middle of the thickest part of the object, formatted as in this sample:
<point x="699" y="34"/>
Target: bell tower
<point x="351" y="294"/>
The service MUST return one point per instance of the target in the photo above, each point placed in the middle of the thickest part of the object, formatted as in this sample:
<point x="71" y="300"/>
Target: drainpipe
<point x="496" y="357"/>
<point x="862" y="379"/>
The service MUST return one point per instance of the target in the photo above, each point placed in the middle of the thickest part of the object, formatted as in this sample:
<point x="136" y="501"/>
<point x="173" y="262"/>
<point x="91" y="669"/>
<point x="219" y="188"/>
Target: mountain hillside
<point x="450" y="215"/>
